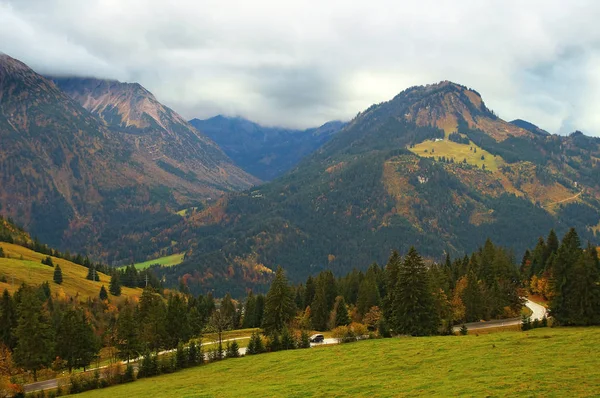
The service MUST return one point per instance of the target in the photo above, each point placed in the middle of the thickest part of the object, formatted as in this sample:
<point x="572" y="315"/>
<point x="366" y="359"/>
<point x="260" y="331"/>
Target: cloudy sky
<point x="301" y="63"/>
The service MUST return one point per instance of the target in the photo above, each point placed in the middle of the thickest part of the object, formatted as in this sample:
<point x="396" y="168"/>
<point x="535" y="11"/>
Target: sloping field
<point x="167" y="261"/>
<point x="542" y="362"/>
<point x="25" y="265"/>
<point x="459" y="152"/>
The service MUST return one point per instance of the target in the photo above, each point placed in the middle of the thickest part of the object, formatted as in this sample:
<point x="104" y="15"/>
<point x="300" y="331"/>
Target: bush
<point x="463" y="330"/>
<point x="343" y="334"/>
<point x="233" y="350"/>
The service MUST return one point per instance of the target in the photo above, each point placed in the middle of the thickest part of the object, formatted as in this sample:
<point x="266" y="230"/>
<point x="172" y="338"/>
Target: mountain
<point x="433" y="167"/>
<point x="79" y="183"/>
<point x="529" y="127"/>
<point x="265" y="152"/>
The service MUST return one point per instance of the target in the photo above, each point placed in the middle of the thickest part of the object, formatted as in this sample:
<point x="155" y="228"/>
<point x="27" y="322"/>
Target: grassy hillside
<point x="543" y="362"/>
<point x="166" y="261"/>
<point x="25" y="266"/>
<point x="450" y="149"/>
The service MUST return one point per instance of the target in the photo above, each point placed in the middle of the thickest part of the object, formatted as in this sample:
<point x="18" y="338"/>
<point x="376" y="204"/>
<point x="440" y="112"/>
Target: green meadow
<point x="541" y="362"/>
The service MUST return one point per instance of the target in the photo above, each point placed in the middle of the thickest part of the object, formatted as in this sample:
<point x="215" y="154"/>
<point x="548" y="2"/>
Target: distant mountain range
<point x="433" y="168"/>
<point x="265" y="152"/>
<point x="93" y="165"/>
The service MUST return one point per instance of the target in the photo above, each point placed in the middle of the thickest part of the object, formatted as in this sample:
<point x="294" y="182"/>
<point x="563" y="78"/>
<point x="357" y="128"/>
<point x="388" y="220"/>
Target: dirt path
<point x="564" y="200"/>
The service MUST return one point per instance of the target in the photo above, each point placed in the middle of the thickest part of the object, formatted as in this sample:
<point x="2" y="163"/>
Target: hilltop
<point x="377" y="186"/>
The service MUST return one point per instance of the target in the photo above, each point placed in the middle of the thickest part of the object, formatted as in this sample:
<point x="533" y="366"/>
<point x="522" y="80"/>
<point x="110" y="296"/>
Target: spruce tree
<point x="319" y="312"/>
<point x="8" y="320"/>
<point x="279" y="305"/>
<point x="368" y="296"/>
<point x="2" y="255"/>
<point x="76" y="342"/>
<point x="233" y="350"/>
<point x="391" y="279"/>
<point x="34" y="333"/>
<point x="414" y="311"/>
<point x="304" y="340"/>
<point x="58" y="277"/>
<point x="309" y="292"/>
<point x="128" y="343"/>
<point x="250" y="312"/>
<point x="92" y="274"/>
<point x="103" y="293"/>
<point x="115" y="284"/>
<point x="567" y="256"/>
<point x="287" y="340"/>
<point x="341" y="312"/>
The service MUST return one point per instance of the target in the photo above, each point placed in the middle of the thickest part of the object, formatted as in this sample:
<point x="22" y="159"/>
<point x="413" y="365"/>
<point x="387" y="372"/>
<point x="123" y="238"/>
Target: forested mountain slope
<point x="266" y="152"/>
<point x="79" y="183"/>
<point x="433" y="167"/>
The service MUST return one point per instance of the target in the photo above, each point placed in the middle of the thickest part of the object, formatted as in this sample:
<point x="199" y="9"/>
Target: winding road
<point x="538" y="312"/>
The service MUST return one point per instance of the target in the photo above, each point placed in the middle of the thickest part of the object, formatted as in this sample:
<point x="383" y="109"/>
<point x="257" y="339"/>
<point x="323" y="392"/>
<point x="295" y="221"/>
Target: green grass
<point x="26" y="267"/>
<point x="167" y="261"/>
<point x="542" y="362"/>
<point x="451" y="149"/>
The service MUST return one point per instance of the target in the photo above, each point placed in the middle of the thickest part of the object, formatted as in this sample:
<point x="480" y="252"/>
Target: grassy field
<point x="541" y="362"/>
<point x="167" y="261"/>
<point x="451" y="149"/>
<point x="25" y="266"/>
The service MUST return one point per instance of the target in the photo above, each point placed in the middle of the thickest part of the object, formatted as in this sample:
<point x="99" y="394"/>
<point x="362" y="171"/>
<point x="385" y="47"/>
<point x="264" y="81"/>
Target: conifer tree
<point x="309" y="292"/>
<point x="76" y="342"/>
<point x="368" y="296"/>
<point x="341" y="312"/>
<point x="279" y="305"/>
<point x="250" y="312"/>
<point x="319" y="312"/>
<point x="304" y="340"/>
<point x="128" y="342"/>
<point x="233" y="350"/>
<point x="115" y="284"/>
<point x="414" y="310"/>
<point x="34" y="334"/>
<point x="103" y="293"/>
<point x="287" y="340"/>
<point x="193" y="357"/>
<point x="391" y="279"/>
<point x="181" y="356"/>
<point x="259" y="311"/>
<point x="2" y="255"/>
<point x="92" y="274"/>
<point x="8" y="320"/>
<point x="58" y="277"/>
<point x="568" y="254"/>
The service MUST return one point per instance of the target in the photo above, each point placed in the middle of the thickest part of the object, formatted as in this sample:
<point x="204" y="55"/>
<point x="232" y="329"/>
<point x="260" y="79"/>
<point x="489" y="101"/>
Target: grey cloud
<point x="301" y="63"/>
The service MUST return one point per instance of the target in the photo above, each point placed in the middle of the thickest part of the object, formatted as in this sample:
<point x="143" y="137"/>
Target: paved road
<point x="538" y="312"/>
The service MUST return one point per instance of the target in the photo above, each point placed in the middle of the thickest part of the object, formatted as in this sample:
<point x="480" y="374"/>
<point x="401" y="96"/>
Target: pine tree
<point x="279" y="305"/>
<point x="128" y="343"/>
<point x="34" y="333"/>
<point x="250" y="312"/>
<point x="103" y="293"/>
<point x="181" y="356"/>
<point x="92" y="274"/>
<point x="259" y="311"/>
<point x="228" y="309"/>
<point x="568" y="254"/>
<point x="368" y="296"/>
<point x="76" y="342"/>
<point x="341" y="312"/>
<point x="8" y="320"/>
<point x="233" y="350"/>
<point x="463" y="330"/>
<point x="304" y="340"/>
<point x="309" y="292"/>
<point x="115" y="284"/>
<point x="472" y="298"/>
<point x="414" y="310"/>
<point x="287" y="340"/>
<point x="58" y="277"/>
<point x="2" y="255"/>
<point x="193" y="356"/>
<point x="319" y="312"/>
<point x="391" y="279"/>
